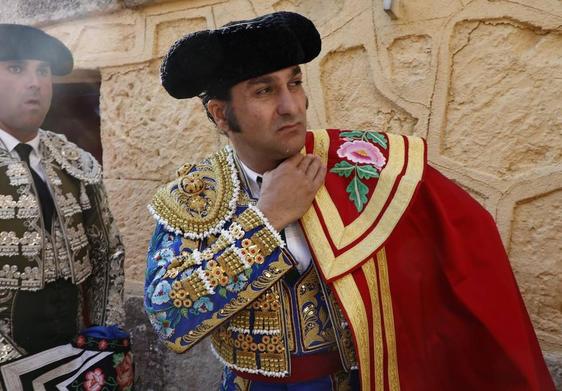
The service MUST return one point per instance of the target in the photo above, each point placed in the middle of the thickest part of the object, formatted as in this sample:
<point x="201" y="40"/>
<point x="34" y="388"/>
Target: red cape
<point x="422" y="277"/>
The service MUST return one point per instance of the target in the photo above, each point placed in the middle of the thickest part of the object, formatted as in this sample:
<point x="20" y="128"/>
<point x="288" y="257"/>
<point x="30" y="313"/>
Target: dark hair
<point x="224" y="95"/>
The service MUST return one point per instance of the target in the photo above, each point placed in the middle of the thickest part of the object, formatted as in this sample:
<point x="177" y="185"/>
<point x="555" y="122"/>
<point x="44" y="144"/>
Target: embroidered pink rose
<point x="95" y="380"/>
<point x="363" y="152"/>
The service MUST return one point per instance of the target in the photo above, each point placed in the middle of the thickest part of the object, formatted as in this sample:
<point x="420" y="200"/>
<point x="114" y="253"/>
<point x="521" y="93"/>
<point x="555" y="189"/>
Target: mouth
<point x="33" y="102"/>
<point x="289" y="127"/>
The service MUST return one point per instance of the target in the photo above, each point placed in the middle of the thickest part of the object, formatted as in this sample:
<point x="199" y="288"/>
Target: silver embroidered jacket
<point x="83" y="244"/>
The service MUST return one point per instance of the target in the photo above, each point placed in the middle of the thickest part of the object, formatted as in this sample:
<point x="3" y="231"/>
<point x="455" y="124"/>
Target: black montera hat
<point x="20" y="42"/>
<point x="212" y="60"/>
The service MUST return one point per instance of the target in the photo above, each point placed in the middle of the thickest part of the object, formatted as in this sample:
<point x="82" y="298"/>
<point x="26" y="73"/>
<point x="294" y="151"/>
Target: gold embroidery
<point x="371" y="277"/>
<point x="313" y="316"/>
<point x="230" y="263"/>
<point x="333" y="266"/>
<point x="393" y="378"/>
<point x="354" y="307"/>
<point x="269" y="276"/>
<point x="199" y="203"/>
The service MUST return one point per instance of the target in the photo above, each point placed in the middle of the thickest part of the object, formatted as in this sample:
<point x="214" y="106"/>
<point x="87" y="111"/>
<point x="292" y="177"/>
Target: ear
<point x="217" y="108"/>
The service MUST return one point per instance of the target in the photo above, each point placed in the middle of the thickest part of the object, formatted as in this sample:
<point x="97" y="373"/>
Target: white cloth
<point x="296" y="243"/>
<point x="10" y="143"/>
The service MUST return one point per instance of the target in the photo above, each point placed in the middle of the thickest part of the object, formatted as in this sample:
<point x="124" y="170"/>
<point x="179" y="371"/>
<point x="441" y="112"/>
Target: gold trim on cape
<point x="333" y="264"/>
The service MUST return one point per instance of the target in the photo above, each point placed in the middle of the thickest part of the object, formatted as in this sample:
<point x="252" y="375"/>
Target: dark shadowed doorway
<point x="75" y="110"/>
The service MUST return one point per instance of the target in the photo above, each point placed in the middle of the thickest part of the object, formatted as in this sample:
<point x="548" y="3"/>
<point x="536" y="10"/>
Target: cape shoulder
<point x="73" y="159"/>
<point x="202" y="198"/>
<point x="372" y="178"/>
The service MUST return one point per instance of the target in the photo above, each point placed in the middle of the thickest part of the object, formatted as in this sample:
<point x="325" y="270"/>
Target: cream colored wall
<point x="480" y="79"/>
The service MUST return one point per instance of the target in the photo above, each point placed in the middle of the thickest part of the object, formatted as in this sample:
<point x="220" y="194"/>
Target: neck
<point x="22" y="135"/>
<point x="259" y="166"/>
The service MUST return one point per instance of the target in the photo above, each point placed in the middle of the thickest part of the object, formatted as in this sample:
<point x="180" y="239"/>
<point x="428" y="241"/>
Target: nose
<point x="33" y="80"/>
<point x="288" y="103"/>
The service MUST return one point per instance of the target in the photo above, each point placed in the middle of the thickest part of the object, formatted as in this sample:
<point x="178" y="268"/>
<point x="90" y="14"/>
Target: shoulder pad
<point x="73" y="159"/>
<point x="203" y="197"/>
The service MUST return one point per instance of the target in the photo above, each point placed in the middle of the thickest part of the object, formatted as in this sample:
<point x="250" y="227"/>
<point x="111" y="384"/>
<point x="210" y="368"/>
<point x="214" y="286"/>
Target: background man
<point x="402" y="275"/>
<point x="60" y="253"/>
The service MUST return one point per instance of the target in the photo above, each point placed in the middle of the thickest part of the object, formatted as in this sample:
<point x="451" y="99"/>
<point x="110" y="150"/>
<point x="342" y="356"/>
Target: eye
<point x="46" y="71"/>
<point x="295" y="83"/>
<point x="15" y="69"/>
<point x="264" y="91"/>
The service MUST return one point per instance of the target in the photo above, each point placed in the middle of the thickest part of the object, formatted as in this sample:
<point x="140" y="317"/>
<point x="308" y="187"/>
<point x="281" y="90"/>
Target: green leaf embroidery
<point x="343" y="168"/>
<point x="352" y="134"/>
<point x="377" y="138"/>
<point x="367" y="172"/>
<point x="117" y="358"/>
<point x="222" y="291"/>
<point x="358" y="193"/>
<point x="184" y="312"/>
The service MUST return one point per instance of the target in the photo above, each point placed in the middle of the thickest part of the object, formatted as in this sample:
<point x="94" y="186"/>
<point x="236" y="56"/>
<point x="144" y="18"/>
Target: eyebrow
<point x="268" y="79"/>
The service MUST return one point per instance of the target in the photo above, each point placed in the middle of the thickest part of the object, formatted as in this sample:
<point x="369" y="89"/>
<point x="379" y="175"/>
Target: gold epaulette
<point x="203" y="197"/>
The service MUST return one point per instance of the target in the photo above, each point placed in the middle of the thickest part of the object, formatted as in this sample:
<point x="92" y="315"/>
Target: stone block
<point x="128" y="200"/>
<point x="410" y="59"/>
<point x="105" y="38"/>
<point x="146" y="133"/>
<point x="32" y="12"/>
<point x="321" y="12"/>
<point x="503" y="115"/>
<point x="167" y="32"/>
<point x="353" y="101"/>
<point x="535" y="251"/>
<point x="157" y="368"/>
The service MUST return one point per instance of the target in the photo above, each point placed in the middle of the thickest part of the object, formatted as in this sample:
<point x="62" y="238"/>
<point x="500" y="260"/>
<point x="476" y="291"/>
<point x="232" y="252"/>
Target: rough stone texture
<point x="411" y="66"/>
<point x="352" y="100"/>
<point x="157" y="368"/>
<point x="321" y="11"/>
<point x="25" y="11"/>
<point x="536" y="254"/>
<point x="115" y="37"/>
<point x="128" y="200"/>
<point x="504" y="100"/>
<point x="146" y="133"/>
<point x="170" y="31"/>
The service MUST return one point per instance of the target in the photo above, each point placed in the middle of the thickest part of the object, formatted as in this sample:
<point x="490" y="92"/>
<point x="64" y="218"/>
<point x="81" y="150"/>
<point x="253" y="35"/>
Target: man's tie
<point x="43" y="194"/>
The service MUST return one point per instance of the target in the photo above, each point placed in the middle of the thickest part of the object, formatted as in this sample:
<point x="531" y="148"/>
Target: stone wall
<point x="480" y="79"/>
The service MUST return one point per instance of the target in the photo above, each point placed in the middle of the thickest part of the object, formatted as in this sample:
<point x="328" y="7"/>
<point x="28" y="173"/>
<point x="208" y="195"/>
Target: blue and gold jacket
<point x="216" y="266"/>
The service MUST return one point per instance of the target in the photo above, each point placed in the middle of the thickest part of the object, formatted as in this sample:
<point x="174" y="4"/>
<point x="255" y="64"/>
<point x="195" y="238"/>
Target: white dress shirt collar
<point x="252" y="178"/>
<point x="10" y="141"/>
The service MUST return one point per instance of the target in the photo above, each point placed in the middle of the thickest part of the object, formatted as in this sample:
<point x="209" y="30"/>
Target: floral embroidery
<point x="204" y="304"/>
<point x="161" y="324"/>
<point x="95" y="380"/>
<point x="103" y="344"/>
<point x="124" y="369"/>
<point x="162" y="293"/>
<point x="164" y="257"/>
<point x="362" y="149"/>
<point x="237" y="283"/>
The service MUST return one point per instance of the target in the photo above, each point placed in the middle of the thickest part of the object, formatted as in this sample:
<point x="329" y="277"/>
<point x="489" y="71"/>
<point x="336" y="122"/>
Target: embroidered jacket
<point x="215" y="265"/>
<point x="83" y="244"/>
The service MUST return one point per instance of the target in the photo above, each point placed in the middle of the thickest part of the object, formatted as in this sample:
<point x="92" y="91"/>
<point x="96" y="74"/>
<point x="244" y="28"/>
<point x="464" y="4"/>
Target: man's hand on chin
<point x="288" y="190"/>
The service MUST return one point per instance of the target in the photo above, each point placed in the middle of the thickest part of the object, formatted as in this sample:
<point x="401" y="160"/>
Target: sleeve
<point x="192" y="286"/>
<point x="104" y="288"/>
